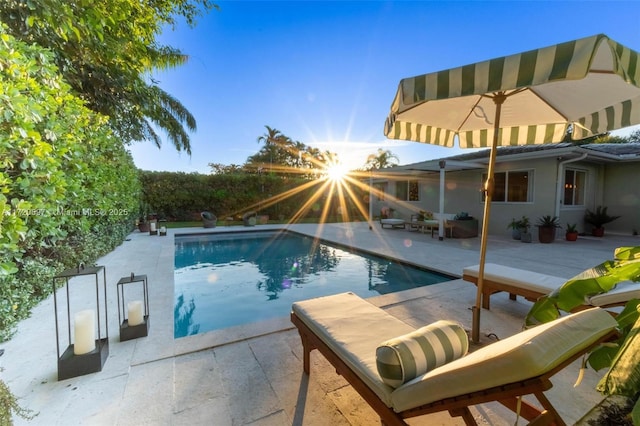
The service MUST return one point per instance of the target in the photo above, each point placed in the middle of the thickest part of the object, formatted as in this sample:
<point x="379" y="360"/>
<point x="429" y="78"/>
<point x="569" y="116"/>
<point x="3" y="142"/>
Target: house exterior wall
<point x="614" y="185"/>
<point x="622" y="197"/>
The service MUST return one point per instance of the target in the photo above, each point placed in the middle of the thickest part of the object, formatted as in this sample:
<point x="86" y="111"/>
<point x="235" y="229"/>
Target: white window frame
<point x="407" y="185"/>
<point x="530" y="188"/>
<point x="573" y="191"/>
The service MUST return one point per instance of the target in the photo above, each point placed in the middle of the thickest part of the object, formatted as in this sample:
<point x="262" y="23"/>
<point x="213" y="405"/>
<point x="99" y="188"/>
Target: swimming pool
<point x="228" y="279"/>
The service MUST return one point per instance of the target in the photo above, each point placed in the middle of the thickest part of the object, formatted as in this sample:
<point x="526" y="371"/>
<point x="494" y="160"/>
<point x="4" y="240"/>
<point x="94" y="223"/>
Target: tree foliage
<point x="382" y="159"/>
<point x="65" y="180"/>
<point x="106" y="51"/>
<point x="281" y="155"/>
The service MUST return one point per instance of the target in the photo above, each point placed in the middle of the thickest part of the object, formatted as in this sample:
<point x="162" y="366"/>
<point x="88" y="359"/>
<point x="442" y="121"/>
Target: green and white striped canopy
<point x="591" y="83"/>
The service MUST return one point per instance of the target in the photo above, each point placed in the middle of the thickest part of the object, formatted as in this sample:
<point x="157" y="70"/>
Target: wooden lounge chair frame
<point x="491" y="286"/>
<point x="393" y="223"/>
<point x="508" y="395"/>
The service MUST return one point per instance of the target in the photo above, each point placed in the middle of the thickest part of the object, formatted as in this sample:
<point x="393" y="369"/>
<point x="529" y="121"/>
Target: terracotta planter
<point x="571" y="236"/>
<point x="597" y="232"/>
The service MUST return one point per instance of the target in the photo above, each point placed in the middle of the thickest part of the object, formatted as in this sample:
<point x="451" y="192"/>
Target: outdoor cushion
<point x="392" y="221"/>
<point x="524" y="355"/>
<point x="406" y="357"/>
<point x="534" y="281"/>
<point x="622" y="293"/>
<point x="353" y="328"/>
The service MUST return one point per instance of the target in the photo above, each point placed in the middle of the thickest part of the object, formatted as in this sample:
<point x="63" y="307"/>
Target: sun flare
<point x="336" y="172"/>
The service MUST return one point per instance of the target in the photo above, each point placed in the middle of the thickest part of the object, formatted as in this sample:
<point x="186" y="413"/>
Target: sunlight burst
<point x="336" y="171"/>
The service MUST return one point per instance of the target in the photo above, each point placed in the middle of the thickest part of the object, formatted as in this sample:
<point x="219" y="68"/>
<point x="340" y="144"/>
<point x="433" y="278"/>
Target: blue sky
<point x="325" y="73"/>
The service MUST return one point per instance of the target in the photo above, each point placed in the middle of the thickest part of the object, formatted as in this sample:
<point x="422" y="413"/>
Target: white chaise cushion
<point x="353" y="328"/>
<point x="522" y="356"/>
<point x="534" y="281"/>
<point x="622" y="293"/>
<point x="392" y="221"/>
<point x="406" y="357"/>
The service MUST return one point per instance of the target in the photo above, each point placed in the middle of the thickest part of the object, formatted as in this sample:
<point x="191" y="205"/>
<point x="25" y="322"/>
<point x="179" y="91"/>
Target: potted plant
<point x="525" y="235"/>
<point x="597" y="219"/>
<point x="143" y="222"/>
<point x="571" y="233"/>
<point x="547" y="226"/>
<point x="463" y="226"/>
<point x="516" y="228"/>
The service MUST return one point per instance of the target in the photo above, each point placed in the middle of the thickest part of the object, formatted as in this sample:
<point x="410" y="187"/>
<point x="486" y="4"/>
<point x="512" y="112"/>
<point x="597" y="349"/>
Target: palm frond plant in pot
<point x="525" y="235"/>
<point x="597" y="219"/>
<point x="571" y="233"/>
<point x="515" y="229"/>
<point x="547" y="226"/>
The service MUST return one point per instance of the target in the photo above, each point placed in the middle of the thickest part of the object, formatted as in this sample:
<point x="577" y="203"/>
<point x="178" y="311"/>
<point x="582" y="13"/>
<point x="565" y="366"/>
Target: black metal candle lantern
<point x="85" y="353"/>
<point x="136" y="323"/>
<point x="153" y="227"/>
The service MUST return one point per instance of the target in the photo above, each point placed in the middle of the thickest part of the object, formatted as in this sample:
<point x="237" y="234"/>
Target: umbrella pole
<point x="498" y="99"/>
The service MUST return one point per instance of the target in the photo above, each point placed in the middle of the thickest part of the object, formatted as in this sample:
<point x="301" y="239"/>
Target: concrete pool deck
<point x="252" y="374"/>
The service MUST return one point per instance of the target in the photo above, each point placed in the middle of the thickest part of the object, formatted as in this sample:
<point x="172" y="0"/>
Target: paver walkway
<point x="253" y="374"/>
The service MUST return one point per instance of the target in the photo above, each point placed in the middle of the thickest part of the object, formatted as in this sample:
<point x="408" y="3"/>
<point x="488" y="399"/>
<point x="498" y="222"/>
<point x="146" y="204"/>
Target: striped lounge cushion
<point x="406" y="357"/>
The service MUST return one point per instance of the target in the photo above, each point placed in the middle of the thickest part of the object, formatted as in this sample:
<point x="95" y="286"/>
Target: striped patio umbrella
<point x="591" y="84"/>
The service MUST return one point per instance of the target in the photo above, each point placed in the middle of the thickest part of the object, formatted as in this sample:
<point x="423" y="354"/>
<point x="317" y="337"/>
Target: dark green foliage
<point x="177" y="196"/>
<point x="548" y="221"/>
<point x="599" y="217"/>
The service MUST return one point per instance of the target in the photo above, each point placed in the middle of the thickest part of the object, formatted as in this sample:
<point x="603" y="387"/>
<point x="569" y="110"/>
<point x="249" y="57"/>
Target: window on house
<point x="380" y="190"/>
<point x="512" y="186"/>
<point x="408" y="190"/>
<point x="574" y="187"/>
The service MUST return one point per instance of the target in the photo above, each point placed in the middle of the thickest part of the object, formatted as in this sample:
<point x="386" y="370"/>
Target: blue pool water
<point x="222" y="280"/>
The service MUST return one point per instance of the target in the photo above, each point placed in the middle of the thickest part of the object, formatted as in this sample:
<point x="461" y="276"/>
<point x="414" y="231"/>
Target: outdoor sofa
<point x="533" y="285"/>
<point x="351" y="334"/>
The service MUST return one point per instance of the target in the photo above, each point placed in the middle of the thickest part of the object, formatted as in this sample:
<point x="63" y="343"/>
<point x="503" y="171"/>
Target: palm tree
<point x="383" y="159"/>
<point x="106" y="51"/>
<point x="271" y="140"/>
<point x="166" y="112"/>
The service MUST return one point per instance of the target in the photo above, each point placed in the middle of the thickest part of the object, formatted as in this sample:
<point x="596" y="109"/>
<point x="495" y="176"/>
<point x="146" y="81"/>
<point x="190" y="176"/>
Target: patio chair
<point x="250" y="218"/>
<point x="350" y="331"/>
<point x="533" y="285"/>
<point x="208" y="219"/>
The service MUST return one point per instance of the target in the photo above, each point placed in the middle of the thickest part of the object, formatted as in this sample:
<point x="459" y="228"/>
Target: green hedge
<point x="69" y="190"/>
<point x="180" y="196"/>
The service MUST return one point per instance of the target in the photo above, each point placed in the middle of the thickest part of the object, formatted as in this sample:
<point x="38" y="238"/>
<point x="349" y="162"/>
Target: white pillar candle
<point x="153" y="226"/>
<point x="136" y="316"/>
<point x="84" y="328"/>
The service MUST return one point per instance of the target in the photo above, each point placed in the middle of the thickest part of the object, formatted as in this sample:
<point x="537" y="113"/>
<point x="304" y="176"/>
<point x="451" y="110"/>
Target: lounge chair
<point x="348" y="330"/>
<point x="393" y="223"/>
<point x="533" y="285"/>
<point x="388" y="218"/>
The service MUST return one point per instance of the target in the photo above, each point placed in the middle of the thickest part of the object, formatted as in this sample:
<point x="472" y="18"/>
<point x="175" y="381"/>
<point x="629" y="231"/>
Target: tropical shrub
<point x="182" y="196"/>
<point x="68" y="188"/>
<point x="621" y="357"/>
